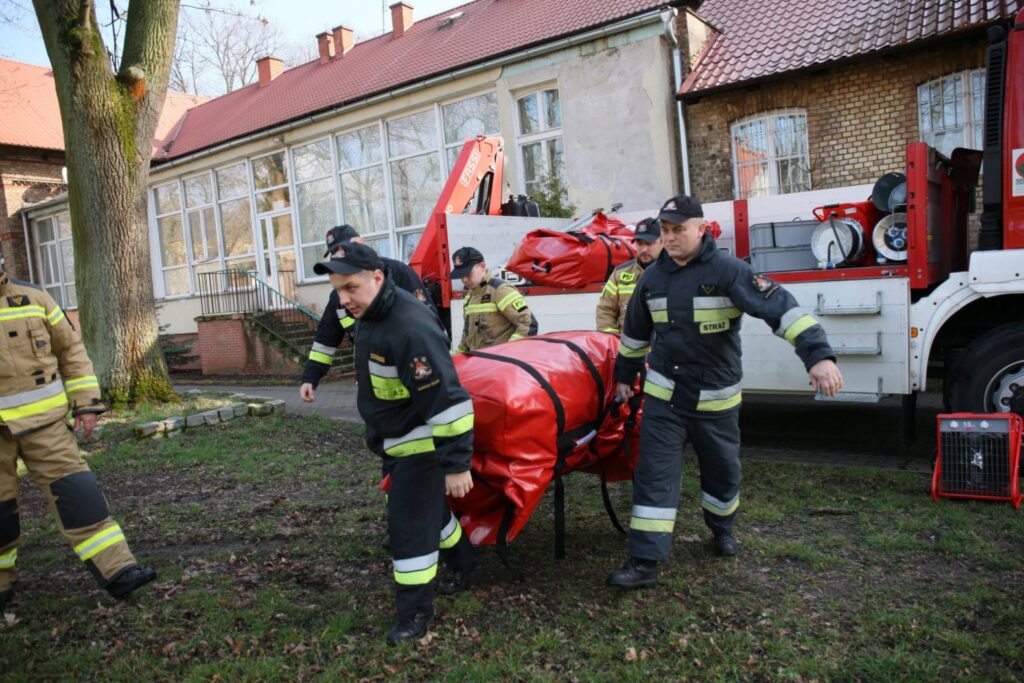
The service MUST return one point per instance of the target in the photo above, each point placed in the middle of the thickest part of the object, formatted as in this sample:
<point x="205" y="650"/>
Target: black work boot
<point x="128" y="579"/>
<point x="725" y="544"/>
<point x="411" y="629"/>
<point x="635" y="573"/>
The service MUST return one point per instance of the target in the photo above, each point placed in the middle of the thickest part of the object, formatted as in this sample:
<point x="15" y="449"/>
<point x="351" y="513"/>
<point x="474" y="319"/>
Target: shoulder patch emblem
<point x="19" y="300"/>
<point x="485" y="298"/>
<point x="707" y="289"/>
<point x="519" y="304"/>
<point x="764" y="285"/>
<point x="626" y="276"/>
<point x="421" y="370"/>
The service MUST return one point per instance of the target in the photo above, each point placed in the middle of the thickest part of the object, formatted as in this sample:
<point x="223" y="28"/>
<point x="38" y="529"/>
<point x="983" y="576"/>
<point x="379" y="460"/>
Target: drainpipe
<point x="669" y="19"/>
<point x="28" y="246"/>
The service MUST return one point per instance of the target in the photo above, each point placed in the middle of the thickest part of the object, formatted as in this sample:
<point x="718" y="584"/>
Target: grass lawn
<point x="264" y="533"/>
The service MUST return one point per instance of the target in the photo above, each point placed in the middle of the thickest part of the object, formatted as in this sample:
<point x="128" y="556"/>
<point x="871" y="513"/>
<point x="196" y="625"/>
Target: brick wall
<point x="860" y="116"/>
<point x="26" y="177"/>
<point x="226" y="347"/>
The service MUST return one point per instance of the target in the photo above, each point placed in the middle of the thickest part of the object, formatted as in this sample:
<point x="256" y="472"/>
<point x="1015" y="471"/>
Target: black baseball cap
<point x="338" y="235"/>
<point x="680" y="208"/>
<point x="354" y="258"/>
<point x="464" y="259"/>
<point x="648" y="230"/>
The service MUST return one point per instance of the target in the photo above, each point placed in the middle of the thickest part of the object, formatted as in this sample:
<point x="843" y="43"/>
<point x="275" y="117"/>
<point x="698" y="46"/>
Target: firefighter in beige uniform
<point x="495" y="312"/>
<point x="44" y="371"/>
<point x="611" y="307"/>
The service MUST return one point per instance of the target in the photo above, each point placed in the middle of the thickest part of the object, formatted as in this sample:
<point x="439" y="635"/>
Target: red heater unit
<point x="979" y="457"/>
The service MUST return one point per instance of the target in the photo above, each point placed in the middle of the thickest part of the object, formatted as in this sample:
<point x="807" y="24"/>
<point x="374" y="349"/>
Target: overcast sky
<point x="298" y="20"/>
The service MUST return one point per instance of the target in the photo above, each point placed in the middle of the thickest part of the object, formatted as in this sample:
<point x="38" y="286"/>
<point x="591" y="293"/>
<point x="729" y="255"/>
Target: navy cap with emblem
<point x="338" y="235"/>
<point x="680" y="208"/>
<point x="353" y="258"/>
<point x="464" y="259"/>
<point x="648" y="230"/>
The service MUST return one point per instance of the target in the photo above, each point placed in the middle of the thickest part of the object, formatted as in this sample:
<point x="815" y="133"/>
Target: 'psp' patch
<point x="519" y="304"/>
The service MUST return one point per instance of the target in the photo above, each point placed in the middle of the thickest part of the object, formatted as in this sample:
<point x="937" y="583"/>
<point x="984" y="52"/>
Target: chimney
<point x="325" y="43"/>
<point x="401" y="18"/>
<point x="269" y="69"/>
<point x="343" y="39"/>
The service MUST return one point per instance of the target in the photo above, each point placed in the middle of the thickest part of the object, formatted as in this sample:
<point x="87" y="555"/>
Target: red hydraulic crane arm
<point x="479" y="166"/>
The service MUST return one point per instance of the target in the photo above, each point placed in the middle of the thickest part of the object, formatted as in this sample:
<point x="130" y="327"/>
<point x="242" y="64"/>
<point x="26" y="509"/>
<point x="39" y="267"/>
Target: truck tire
<point x="988" y="377"/>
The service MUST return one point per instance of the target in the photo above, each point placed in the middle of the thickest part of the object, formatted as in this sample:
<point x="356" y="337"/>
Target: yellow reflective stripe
<point x="347" y="322"/>
<point x="516" y="336"/>
<point x="656" y="525"/>
<point x="481" y="308"/>
<point x="416" y="578"/>
<point x="654" y="390"/>
<point x="508" y="300"/>
<point x="55" y="316"/>
<point x="460" y="426"/>
<point x="80" y="383"/>
<point x="722" y="403"/>
<point x="610" y="288"/>
<point x="702" y="315"/>
<point x="411" y="447"/>
<point x="30" y="311"/>
<point x="627" y="289"/>
<point x="613" y="330"/>
<point x="388" y="388"/>
<point x="627" y="352"/>
<point x="659" y="316"/>
<point x="320" y="357"/>
<point x="719" y="507"/>
<point x="453" y="538"/>
<point x="802" y="324"/>
<point x="30" y="409"/>
<point x="8" y="559"/>
<point x="99" y="542"/>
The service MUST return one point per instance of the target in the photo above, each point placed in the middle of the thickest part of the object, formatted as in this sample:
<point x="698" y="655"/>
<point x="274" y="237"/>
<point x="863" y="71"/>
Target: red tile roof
<point x="30" y="115"/>
<point x="486" y="29"/>
<point x="762" y="38"/>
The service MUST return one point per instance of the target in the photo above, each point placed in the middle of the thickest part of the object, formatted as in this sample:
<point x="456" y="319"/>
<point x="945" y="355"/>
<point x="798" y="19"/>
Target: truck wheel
<point x="988" y="377"/>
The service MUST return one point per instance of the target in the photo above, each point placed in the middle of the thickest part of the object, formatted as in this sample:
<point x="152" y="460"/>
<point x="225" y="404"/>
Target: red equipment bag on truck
<point x="573" y="259"/>
<point x="544" y="406"/>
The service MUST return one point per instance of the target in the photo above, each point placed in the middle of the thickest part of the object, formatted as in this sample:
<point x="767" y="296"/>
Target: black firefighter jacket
<point x="409" y="395"/>
<point x="689" y="318"/>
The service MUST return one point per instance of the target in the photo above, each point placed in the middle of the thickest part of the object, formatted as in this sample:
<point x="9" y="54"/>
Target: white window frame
<point x="968" y="122"/>
<point x="177" y="182"/>
<point x="774" y="181"/>
<point x="546" y="132"/>
<point x="63" y="280"/>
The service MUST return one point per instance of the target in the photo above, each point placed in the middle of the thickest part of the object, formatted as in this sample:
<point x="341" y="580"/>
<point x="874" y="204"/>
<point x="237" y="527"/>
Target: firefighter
<point x="494" y="311"/>
<point x="336" y="321"/>
<point x="44" y="371"/>
<point x="611" y="307"/>
<point x="686" y="312"/>
<point x="419" y="419"/>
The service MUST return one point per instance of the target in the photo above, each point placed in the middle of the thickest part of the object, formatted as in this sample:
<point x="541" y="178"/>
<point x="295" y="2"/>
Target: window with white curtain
<point x="539" y="138"/>
<point x="55" y="258"/>
<point x="951" y="111"/>
<point x="770" y="154"/>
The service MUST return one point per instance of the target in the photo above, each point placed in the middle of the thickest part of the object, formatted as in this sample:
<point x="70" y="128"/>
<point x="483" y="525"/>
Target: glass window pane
<point x="284" y="235"/>
<point x="248" y="264"/>
<point x="359" y="148"/>
<point x="556" y="157"/>
<point x="416" y="183"/>
<point x="468" y="118"/>
<point x="209" y="282"/>
<point x="316" y="209"/>
<point x="409" y="242"/>
<point x="57" y="294"/>
<point x="273" y="200"/>
<point x="67" y="260"/>
<point x="167" y="198"/>
<point x="411" y="134"/>
<point x="269" y="171"/>
<point x="63" y="225"/>
<point x="72" y="293"/>
<point x="172" y="240"/>
<point x="176" y="281"/>
<point x="210" y="225"/>
<point x="232" y="182"/>
<point x="532" y="163"/>
<point x="363" y="201"/>
<point x="44" y="230"/>
<point x="312" y="160"/>
<point x="529" y="117"/>
<point x="235" y="219"/>
<point x="195" y="232"/>
<point x="45" y="266"/>
<point x="552" y="109"/>
<point x="451" y="155"/>
<point x="381" y="245"/>
<point x="198" y="191"/>
<point x="310" y="257"/>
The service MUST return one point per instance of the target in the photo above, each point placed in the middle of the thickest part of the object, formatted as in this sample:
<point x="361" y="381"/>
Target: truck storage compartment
<point x="777" y="247"/>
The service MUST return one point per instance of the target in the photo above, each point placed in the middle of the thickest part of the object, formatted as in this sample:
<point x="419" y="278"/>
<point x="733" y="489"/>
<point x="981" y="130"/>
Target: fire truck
<point x="888" y="269"/>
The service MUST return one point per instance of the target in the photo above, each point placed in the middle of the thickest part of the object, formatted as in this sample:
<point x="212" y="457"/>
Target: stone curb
<point x="243" y="405"/>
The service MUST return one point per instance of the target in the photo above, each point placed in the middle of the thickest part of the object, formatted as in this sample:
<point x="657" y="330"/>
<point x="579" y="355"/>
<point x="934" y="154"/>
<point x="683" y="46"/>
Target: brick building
<point x="790" y="95"/>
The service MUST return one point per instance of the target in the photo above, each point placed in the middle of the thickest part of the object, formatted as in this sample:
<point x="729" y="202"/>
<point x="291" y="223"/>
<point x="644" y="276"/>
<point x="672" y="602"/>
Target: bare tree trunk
<point x="108" y="124"/>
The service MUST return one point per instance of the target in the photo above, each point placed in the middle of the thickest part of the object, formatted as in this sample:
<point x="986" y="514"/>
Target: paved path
<point x="778" y="428"/>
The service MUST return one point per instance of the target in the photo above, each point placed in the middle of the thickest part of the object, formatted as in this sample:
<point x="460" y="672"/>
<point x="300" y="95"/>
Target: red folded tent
<point x="573" y="259"/>
<point x="544" y="407"/>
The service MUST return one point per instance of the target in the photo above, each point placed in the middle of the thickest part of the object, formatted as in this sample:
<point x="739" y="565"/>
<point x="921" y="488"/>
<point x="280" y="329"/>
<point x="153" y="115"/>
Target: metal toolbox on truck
<point x="783" y="246"/>
<point x="775" y="259"/>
